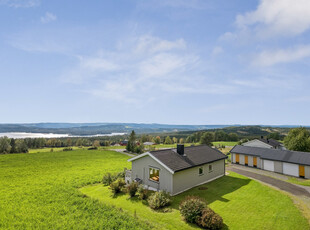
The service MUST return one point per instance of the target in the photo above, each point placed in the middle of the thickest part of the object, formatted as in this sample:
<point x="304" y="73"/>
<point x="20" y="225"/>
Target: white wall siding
<point x="189" y="178"/>
<point x="268" y="165"/>
<point x="140" y="169"/>
<point x="291" y="169"/>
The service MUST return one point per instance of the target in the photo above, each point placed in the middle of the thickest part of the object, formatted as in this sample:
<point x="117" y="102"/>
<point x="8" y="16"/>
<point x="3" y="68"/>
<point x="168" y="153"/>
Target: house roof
<point x="296" y="157"/>
<point x="193" y="156"/>
<point x="271" y="142"/>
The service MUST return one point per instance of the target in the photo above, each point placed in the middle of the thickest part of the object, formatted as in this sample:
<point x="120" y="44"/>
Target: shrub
<point x="132" y="188"/>
<point x="92" y="148"/>
<point x="159" y="200"/>
<point x="210" y="220"/>
<point x="117" y="185"/>
<point x="142" y="192"/>
<point x="107" y="179"/>
<point x="67" y="149"/>
<point x="191" y="208"/>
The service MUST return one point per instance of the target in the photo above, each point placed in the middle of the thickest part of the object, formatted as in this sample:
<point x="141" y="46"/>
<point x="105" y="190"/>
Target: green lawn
<point x="243" y="204"/>
<point x="294" y="180"/>
<point x="40" y="191"/>
<point x="57" y="149"/>
<point x="226" y="143"/>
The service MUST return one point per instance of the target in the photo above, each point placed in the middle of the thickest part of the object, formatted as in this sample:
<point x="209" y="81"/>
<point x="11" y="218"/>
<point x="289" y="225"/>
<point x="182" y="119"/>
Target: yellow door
<point x="254" y="161"/>
<point x="237" y="158"/>
<point x="246" y="160"/>
<point x="301" y="171"/>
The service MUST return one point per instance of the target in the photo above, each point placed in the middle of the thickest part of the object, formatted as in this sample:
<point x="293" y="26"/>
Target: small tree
<point x="96" y="144"/>
<point x="168" y="140"/>
<point x="175" y="140"/>
<point x="131" y="142"/>
<point x="207" y="138"/>
<point x="157" y="140"/>
<point x="181" y="141"/>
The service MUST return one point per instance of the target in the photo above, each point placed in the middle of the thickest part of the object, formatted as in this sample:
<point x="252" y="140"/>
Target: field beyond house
<point x="43" y="191"/>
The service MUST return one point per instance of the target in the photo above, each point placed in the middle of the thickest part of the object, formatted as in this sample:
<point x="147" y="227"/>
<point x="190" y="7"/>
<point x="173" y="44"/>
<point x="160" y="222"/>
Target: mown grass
<point x="40" y="191"/>
<point x="304" y="182"/>
<point x="226" y="143"/>
<point x="56" y="149"/>
<point x="243" y="204"/>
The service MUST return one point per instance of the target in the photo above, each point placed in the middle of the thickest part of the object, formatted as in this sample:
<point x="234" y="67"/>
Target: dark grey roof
<point x="271" y="142"/>
<point x="193" y="156"/>
<point x="302" y="158"/>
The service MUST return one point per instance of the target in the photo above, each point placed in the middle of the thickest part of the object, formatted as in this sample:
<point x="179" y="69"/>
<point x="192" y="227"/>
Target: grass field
<point x="226" y="143"/>
<point x="57" y="149"/>
<point x="43" y="191"/>
<point x="243" y="204"/>
<point x="40" y="191"/>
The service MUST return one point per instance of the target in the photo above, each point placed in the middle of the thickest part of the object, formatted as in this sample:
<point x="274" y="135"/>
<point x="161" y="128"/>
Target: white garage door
<point x="268" y="165"/>
<point x="290" y="169"/>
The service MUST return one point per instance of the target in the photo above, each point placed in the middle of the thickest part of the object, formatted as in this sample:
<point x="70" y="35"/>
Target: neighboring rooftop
<point x="193" y="156"/>
<point x="296" y="157"/>
<point x="270" y="141"/>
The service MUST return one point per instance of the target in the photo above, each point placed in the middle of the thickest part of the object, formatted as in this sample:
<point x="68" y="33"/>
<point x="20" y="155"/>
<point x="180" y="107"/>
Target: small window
<point x="200" y="171"/>
<point x="210" y="168"/>
<point x="154" y="174"/>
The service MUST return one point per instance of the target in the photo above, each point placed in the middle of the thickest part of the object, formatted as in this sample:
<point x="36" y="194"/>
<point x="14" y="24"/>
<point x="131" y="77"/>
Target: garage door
<point x="268" y="165"/>
<point x="290" y="169"/>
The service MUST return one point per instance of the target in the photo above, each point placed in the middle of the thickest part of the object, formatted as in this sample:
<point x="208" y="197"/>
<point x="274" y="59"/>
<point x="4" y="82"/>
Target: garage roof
<point x="296" y="157"/>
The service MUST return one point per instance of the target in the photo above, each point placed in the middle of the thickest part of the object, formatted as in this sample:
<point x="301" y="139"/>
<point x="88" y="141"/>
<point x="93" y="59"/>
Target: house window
<point x="154" y="174"/>
<point x="210" y="168"/>
<point x="200" y="171"/>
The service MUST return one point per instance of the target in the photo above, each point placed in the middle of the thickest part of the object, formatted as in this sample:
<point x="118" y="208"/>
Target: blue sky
<point x="155" y="61"/>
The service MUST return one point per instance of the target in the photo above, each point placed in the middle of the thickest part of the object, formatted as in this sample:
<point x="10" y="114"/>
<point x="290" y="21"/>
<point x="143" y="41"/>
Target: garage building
<point x="287" y="162"/>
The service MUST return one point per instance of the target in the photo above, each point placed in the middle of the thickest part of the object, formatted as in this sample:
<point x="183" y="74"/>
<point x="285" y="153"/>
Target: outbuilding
<point x="286" y="162"/>
<point x="177" y="170"/>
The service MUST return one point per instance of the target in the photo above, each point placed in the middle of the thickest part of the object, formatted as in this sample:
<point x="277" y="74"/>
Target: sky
<point x="155" y="61"/>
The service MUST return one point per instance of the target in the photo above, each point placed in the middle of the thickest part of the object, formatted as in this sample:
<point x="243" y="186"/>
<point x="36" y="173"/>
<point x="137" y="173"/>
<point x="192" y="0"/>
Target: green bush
<point x="67" y="149"/>
<point x="108" y="178"/>
<point x="132" y="188"/>
<point x="142" y="192"/>
<point x="117" y="185"/>
<point x="210" y="220"/>
<point x="191" y="208"/>
<point x="159" y="200"/>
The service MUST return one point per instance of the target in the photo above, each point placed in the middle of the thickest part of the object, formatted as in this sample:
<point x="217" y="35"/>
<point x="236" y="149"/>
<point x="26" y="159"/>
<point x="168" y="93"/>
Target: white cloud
<point x="48" y="17"/>
<point x="277" y="17"/>
<point x="20" y="3"/>
<point x="142" y="69"/>
<point x="273" y="57"/>
<point x="154" y="44"/>
<point x="97" y="64"/>
<point x="187" y="4"/>
<point x="217" y="50"/>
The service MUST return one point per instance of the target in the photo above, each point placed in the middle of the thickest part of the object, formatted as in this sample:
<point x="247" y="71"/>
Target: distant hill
<point x="101" y="128"/>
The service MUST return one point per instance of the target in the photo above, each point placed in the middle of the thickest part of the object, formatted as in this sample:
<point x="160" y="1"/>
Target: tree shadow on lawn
<point x="213" y="191"/>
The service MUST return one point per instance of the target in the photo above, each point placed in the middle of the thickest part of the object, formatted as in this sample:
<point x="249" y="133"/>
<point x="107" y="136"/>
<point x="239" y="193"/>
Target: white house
<point x="177" y="170"/>
<point x="287" y="162"/>
<point x="265" y="143"/>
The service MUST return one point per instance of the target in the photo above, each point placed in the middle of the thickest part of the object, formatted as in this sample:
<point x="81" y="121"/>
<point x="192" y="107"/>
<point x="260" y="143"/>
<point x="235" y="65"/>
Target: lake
<point x="19" y="135"/>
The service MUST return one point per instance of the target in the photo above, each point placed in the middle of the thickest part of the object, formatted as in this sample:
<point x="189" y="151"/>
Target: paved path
<point x="285" y="186"/>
